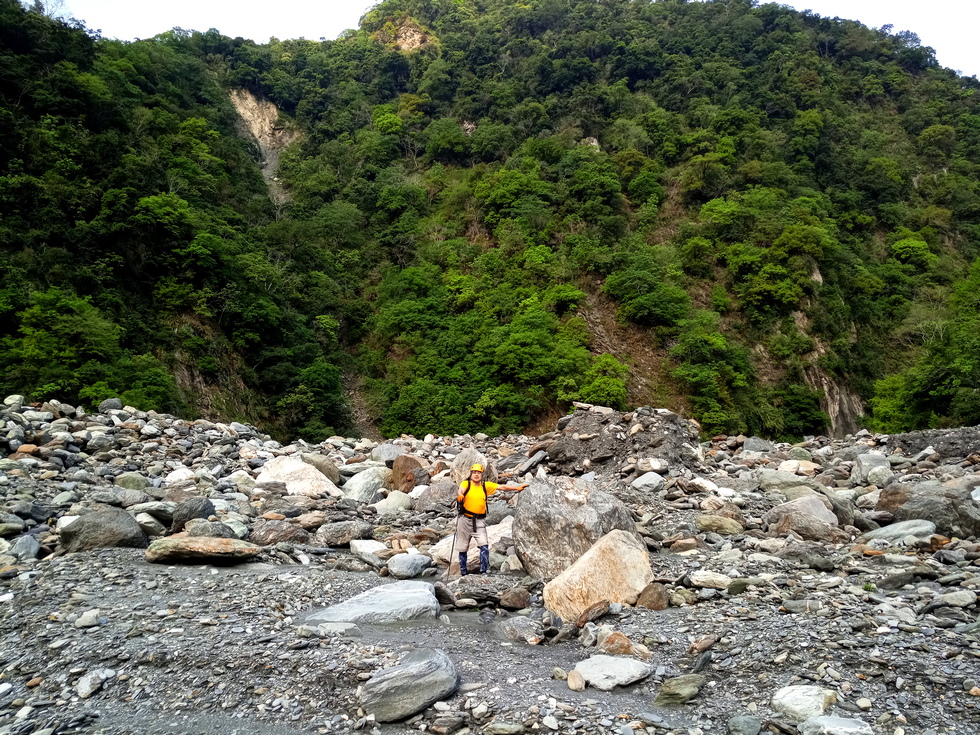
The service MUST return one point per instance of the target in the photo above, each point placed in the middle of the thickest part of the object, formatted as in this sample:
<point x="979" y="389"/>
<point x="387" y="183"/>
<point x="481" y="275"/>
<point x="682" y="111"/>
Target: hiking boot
<point x="484" y="559"/>
<point x="462" y="564"/>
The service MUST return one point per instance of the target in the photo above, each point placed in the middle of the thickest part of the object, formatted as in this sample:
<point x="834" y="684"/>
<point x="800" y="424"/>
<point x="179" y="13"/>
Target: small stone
<point x="745" y="725"/>
<point x="88" y="619"/>
<point x="679" y="690"/>
<point x="802" y="702"/>
<point x="575" y="681"/>
<point x="959" y="598"/>
<point x="92" y="682"/>
<point x="654" y="597"/>
<point x="718" y="524"/>
<point x="712" y="580"/>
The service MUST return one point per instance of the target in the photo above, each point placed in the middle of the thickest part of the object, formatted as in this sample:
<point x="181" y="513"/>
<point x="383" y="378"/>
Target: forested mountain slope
<point x="756" y="216"/>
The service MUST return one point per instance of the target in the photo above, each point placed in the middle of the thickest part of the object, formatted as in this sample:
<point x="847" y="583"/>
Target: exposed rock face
<point x="558" y="521"/>
<point x="841" y="404"/>
<point x="260" y="120"/>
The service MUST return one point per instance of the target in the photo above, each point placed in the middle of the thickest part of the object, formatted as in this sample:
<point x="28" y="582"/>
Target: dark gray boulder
<point x="191" y="508"/>
<point x="103" y="529"/>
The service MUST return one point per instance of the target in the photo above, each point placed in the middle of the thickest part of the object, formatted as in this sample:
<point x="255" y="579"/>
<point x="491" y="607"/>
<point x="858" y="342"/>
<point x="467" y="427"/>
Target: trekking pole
<point x="452" y="555"/>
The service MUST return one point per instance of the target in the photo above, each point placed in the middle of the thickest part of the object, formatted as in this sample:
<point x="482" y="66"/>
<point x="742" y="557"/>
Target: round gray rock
<point x="406" y="566"/>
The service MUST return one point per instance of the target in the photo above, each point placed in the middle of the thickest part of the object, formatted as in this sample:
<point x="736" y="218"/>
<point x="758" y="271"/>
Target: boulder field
<point x="159" y="575"/>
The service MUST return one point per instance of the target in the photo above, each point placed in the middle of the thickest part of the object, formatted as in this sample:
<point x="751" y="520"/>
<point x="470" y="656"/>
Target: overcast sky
<point x="949" y="26"/>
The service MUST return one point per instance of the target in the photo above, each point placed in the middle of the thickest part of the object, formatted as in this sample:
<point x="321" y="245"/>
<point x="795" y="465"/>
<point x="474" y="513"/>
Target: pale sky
<point x="949" y="26"/>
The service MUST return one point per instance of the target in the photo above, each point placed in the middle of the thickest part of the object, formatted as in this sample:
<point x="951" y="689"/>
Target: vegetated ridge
<point x="764" y="218"/>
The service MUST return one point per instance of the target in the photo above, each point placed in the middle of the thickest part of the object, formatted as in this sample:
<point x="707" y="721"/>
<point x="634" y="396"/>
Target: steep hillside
<point x="758" y="216"/>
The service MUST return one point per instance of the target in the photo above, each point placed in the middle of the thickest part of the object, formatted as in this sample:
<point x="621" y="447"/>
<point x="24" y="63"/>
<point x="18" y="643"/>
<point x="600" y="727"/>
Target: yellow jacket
<point x="475" y="495"/>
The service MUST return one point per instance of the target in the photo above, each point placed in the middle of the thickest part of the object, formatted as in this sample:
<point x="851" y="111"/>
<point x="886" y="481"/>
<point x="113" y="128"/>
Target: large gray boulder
<point x="897" y="532"/>
<point x="865" y="463"/>
<point x="423" y="677"/>
<point x="778" y="481"/>
<point x="812" y="505"/>
<point x="341" y="533"/>
<point x="201" y="528"/>
<point x="201" y="549"/>
<point x="953" y="510"/>
<point x="558" y="521"/>
<point x="802" y="701"/>
<point x="387" y="453"/>
<point x="363" y="486"/>
<point x="395" y="503"/>
<point x="951" y="507"/>
<point x="103" y="529"/>
<point x="756" y="444"/>
<point x="325" y="465"/>
<point x="389" y="603"/>
<point x="606" y="437"/>
<point x="439" y="496"/>
<point x="271" y="532"/>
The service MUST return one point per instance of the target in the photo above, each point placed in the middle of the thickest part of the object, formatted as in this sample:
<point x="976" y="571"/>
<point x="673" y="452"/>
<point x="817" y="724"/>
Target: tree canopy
<point x="758" y="195"/>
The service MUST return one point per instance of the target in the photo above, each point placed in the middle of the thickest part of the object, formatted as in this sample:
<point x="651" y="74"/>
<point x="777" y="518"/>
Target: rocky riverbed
<point x="168" y="576"/>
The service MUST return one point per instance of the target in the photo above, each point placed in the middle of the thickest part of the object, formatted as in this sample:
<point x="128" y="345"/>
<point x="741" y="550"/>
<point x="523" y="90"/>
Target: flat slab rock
<point x="200" y="549"/>
<point x="608" y="672"/>
<point x="825" y="725"/>
<point x="389" y="603"/>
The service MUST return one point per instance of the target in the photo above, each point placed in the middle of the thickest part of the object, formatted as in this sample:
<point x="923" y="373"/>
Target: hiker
<point x="472" y="501"/>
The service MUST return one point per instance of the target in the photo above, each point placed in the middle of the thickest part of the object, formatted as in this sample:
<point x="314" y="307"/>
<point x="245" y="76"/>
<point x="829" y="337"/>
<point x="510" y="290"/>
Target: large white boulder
<point x="299" y="477"/>
<point x="616" y="568"/>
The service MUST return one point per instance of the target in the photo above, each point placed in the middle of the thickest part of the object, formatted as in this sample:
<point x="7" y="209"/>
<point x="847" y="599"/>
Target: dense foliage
<point x="764" y="195"/>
